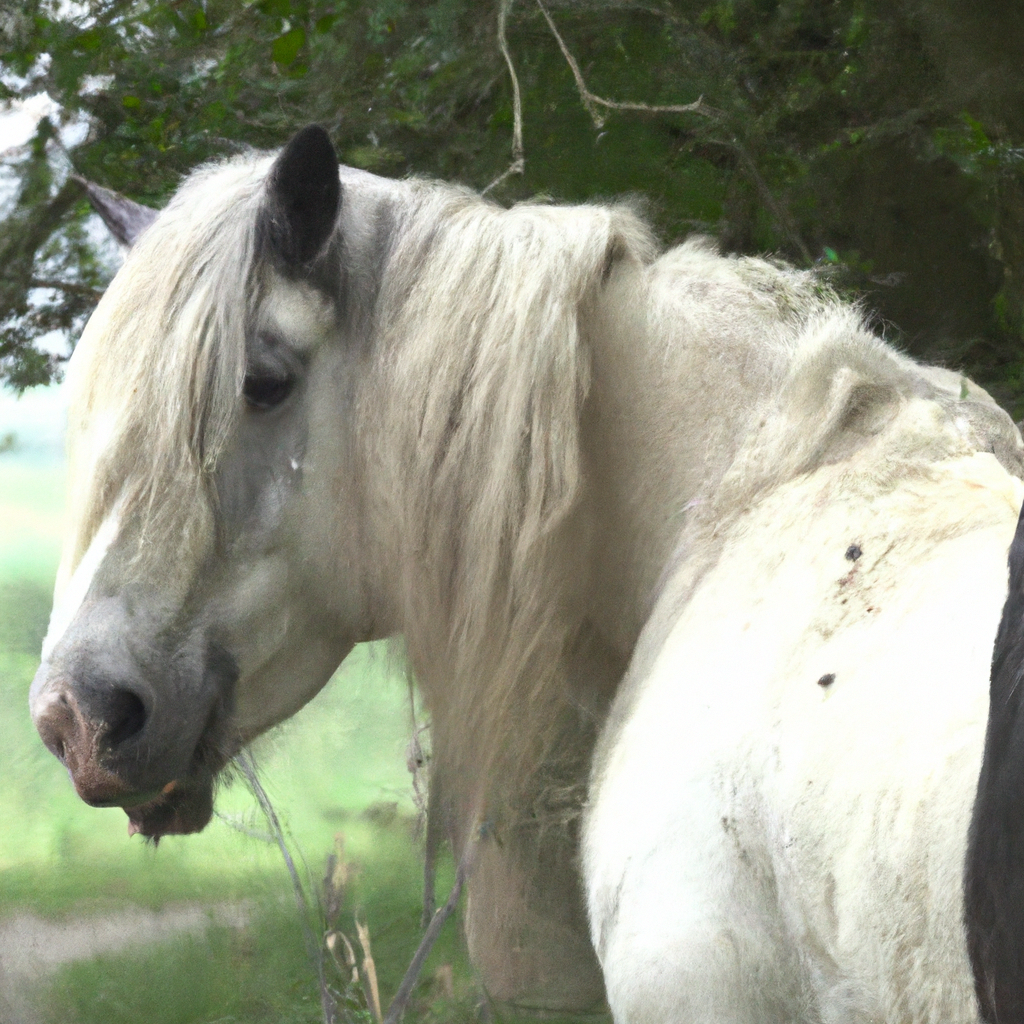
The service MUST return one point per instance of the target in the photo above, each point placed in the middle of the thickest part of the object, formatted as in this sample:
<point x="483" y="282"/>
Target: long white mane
<point x="482" y="317"/>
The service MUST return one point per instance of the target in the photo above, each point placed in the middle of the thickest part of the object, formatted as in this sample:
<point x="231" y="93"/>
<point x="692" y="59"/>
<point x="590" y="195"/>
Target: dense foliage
<point x="882" y="139"/>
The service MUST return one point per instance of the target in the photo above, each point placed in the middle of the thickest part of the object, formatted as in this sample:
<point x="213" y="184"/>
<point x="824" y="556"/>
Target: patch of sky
<point x="19" y="120"/>
<point x="21" y="82"/>
<point x="200" y="69"/>
<point x="32" y="427"/>
<point x="93" y="85"/>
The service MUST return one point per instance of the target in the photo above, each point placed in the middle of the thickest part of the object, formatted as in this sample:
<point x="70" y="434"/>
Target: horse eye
<point x="266" y="392"/>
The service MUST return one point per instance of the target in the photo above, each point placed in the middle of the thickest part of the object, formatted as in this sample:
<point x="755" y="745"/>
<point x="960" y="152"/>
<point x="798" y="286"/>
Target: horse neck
<point x="670" y="403"/>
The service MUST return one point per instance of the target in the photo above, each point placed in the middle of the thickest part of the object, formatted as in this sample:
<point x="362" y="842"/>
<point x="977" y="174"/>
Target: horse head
<point x="196" y="604"/>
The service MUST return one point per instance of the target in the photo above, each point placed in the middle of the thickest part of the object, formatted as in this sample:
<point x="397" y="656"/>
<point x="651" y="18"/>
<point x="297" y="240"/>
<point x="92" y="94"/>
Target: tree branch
<point x="518" y="165"/>
<point x="71" y="287"/>
<point x="592" y="101"/>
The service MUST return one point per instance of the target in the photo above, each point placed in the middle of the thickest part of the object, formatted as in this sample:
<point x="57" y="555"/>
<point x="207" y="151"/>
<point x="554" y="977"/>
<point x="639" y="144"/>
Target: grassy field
<point x="337" y="767"/>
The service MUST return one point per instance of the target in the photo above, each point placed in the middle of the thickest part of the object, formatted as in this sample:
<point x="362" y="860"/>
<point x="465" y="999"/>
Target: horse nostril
<point x="125" y="715"/>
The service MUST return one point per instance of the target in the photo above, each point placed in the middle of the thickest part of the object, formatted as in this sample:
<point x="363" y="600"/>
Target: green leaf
<point x="978" y="135"/>
<point x="281" y="8"/>
<point x="89" y="41"/>
<point x="286" y="48"/>
<point x="131" y="102"/>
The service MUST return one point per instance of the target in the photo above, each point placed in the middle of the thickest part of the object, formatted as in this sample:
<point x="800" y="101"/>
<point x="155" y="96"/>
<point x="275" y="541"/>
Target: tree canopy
<point x="882" y="140"/>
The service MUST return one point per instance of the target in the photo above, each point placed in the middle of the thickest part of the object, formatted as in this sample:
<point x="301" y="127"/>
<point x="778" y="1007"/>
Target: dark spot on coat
<point x="853" y="552"/>
<point x="827" y="679"/>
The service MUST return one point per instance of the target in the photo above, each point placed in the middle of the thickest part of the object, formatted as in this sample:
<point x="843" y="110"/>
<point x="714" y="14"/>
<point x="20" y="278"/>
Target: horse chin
<point x="182" y="807"/>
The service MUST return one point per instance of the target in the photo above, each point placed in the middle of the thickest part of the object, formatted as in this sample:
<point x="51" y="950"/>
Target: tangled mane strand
<point x="481" y="316"/>
<point x="160" y="365"/>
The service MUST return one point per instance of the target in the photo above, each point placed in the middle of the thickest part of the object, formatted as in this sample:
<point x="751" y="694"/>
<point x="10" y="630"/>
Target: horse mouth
<point x="182" y="807"/>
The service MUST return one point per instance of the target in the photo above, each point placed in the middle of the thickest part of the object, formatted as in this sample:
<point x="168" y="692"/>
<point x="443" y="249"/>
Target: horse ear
<point x="303" y="196"/>
<point x="125" y="219"/>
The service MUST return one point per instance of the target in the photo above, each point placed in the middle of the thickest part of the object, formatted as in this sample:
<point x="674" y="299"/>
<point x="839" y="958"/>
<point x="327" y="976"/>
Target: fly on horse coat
<point x="670" y="535"/>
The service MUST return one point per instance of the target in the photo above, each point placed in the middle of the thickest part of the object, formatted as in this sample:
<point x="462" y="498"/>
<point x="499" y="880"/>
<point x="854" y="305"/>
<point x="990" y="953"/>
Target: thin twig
<point x="781" y="215"/>
<point x="71" y="287"/>
<point x="592" y="101"/>
<point x="431" y="844"/>
<point x="313" y="946"/>
<point x="401" y="999"/>
<point x="416" y="758"/>
<point x="518" y="165"/>
<point x="778" y="212"/>
<point x="427" y="803"/>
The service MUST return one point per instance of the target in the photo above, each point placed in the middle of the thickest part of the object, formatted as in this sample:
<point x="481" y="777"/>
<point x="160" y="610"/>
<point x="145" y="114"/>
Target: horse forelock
<point x="156" y="377"/>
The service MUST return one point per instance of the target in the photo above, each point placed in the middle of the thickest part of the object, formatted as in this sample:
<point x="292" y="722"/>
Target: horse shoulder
<point x="787" y="753"/>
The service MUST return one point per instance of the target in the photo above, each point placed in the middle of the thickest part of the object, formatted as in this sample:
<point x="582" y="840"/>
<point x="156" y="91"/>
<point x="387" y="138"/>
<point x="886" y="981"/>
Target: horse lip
<point x="185" y="804"/>
<point x="127" y="800"/>
<point x="181" y="807"/>
<point x="134" y="799"/>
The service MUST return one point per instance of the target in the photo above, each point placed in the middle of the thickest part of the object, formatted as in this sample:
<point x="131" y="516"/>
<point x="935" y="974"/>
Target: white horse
<point x="309" y="413"/>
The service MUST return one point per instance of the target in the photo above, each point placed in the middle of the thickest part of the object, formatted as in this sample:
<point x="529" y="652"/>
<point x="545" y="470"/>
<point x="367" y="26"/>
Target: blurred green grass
<point x="337" y="766"/>
<point x="261" y="973"/>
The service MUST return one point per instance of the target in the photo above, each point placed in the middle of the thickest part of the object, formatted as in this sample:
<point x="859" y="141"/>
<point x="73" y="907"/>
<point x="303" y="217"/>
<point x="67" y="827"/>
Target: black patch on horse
<point x="994" y="869"/>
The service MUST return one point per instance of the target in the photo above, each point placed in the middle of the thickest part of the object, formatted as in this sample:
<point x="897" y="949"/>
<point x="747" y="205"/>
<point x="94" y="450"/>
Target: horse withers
<point x="318" y="407"/>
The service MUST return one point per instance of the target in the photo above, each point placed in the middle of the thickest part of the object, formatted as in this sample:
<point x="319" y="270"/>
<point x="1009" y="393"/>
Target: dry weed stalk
<point x="368" y="972"/>
<point x="337" y="875"/>
<point x="401" y="1000"/>
<point x="333" y="939"/>
<point x="330" y="902"/>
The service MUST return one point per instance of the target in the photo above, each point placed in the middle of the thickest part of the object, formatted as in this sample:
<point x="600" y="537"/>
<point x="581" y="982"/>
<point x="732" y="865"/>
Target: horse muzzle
<point x="151" y="749"/>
